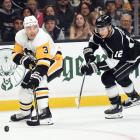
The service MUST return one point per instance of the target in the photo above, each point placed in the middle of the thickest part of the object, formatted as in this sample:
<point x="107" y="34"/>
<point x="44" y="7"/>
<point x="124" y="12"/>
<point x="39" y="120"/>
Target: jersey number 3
<point x="45" y="49"/>
<point x="118" y="54"/>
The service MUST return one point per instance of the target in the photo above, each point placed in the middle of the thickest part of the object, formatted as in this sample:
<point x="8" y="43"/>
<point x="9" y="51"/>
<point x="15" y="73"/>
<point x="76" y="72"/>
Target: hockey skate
<point x="20" y="116"/>
<point x="45" y="118"/>
<point x="133" y="100"/>
<point x="114" y="112"/>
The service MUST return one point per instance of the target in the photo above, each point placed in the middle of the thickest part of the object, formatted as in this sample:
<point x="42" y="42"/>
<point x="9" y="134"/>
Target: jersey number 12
<point x="118" y="54"/>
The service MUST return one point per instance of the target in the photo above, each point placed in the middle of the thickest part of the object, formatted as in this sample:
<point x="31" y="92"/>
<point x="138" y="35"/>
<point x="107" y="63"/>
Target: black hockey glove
<point x="90" y="68"/>
<point x="27" y="62"/>
<point x="37" y="75"/>
<point x="88" y="54"/>
<point x="34" y="80"/>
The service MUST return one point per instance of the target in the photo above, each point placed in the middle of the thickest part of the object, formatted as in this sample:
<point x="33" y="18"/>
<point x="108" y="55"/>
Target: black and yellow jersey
<point x="42" y="47"/>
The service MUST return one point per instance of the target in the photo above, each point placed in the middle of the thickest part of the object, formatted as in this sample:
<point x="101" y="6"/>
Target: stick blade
<point x="33" y="123"/>
<point x="77" y="101"/>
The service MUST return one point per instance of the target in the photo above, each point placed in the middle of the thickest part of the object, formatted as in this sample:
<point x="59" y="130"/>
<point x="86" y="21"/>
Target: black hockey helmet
<point x="102" y="21"/>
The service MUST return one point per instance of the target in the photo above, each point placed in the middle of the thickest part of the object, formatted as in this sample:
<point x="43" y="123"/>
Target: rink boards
<point x="63" y="90"/>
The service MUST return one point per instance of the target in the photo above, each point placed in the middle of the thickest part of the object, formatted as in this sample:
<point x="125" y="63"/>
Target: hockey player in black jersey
<point x="123" y="56"/>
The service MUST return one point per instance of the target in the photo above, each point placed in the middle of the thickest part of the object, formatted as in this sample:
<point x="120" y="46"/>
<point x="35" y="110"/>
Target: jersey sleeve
<point x="94" y="42"/>
<point x="17" y="52"/>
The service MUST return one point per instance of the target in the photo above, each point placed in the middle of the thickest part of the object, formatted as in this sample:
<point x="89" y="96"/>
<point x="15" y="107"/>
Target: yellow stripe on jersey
<point x="44" y="62"/>
<point x="25" y="107"/>
<point x="58" y="57"/>
<point x="41" y="93"/>
<point x="18" y="48"/>
<point x="58" y="63"/>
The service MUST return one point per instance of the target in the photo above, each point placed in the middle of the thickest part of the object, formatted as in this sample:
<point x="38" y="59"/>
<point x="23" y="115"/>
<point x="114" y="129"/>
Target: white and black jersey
<point x="118" y="46"/>
<point x="122" y="51"/>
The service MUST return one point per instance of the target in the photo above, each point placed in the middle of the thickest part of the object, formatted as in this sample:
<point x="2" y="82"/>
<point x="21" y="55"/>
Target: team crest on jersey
<point x="11" y="75"/>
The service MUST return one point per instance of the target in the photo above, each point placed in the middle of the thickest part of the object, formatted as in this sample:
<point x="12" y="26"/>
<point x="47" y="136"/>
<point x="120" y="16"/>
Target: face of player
<point x="104" y="31"/>
<point x="32" y="31"/>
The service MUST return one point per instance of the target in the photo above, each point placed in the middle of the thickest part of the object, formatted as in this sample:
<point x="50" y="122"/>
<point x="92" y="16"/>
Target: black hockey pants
<point x="119" y="74"/>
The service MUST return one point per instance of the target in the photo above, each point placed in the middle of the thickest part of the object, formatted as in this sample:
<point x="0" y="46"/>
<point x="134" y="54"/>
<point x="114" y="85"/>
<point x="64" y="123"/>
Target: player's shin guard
<point x="26" y="107"/>
<point x="115" y="111"/>
<point x="45" y="116"/>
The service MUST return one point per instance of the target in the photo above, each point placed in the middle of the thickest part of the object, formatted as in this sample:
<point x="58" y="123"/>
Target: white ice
<point x="86" y="123"/>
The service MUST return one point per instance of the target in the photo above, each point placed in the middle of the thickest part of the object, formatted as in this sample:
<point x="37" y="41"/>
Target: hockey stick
<point x="37" y="121"/>
<point x="78" y="99"/>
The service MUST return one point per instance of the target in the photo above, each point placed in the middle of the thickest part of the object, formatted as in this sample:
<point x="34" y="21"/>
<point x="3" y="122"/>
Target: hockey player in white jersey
<point x="123" y="56"/>
<point x="35" y="50"/>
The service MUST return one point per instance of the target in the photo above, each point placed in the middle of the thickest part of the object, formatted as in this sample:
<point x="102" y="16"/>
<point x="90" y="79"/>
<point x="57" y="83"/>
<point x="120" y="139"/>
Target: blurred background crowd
<point x="68" y="19"/>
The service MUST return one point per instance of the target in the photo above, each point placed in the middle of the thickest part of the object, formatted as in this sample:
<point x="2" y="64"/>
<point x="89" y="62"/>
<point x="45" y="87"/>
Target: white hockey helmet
<point x="30" y="21"/>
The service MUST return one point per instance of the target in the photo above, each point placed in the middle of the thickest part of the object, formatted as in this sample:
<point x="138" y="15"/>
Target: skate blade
<point x="33" y="123"/>
<point x="47" y="121"/>
<point x="114" y="116"/>
<point x="23" y="120"/>
<point x="132" y="105"/>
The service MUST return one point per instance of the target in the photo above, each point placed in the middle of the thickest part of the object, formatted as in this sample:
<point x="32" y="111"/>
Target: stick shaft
<point x="36" y="106"/>
<point x="81" y="90"/>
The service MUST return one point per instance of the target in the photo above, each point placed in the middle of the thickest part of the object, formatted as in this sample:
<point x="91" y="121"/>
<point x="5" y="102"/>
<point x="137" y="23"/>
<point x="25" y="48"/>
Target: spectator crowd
<point x="64" y="19"/>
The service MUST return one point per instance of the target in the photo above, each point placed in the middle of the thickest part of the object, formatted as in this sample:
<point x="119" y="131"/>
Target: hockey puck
<point x="6" y="128"/>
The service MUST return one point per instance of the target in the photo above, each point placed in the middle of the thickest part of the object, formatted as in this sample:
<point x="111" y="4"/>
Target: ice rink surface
<point x="86" y="123"/>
